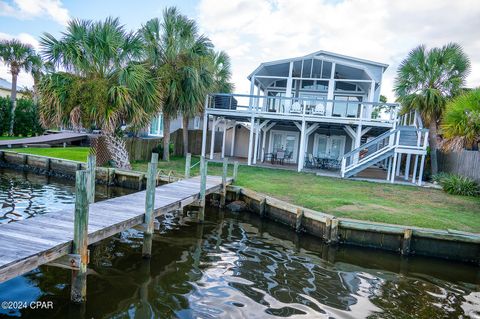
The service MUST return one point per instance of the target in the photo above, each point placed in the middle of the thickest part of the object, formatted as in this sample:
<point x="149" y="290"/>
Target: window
<point x="156" y="126"/>
<point x="196" y="123"/>
<point x="343" y="86"/>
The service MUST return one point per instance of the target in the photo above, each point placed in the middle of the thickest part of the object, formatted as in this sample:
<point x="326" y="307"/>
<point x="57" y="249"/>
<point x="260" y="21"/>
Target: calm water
<point x="233" y="266"/>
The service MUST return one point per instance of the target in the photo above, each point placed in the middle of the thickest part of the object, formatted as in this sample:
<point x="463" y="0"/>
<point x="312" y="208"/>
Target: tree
<point x="461" y="121"/>
<point x="18" y="57"/>
<point x="176" y="52"/>
<point x="378" y="109"/>
<point x="426" y="79"/>
<point x="104" y="83"/>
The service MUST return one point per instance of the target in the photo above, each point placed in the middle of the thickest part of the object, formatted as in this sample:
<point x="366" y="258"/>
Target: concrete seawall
<point x="404" y="240"/>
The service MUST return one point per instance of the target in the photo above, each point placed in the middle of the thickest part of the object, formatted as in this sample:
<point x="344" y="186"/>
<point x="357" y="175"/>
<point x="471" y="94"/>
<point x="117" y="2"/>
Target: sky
<point x="256" y="31"/>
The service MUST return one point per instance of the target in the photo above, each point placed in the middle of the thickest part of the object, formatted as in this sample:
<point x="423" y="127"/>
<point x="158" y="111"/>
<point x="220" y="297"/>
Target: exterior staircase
<point x="406" y="137"/>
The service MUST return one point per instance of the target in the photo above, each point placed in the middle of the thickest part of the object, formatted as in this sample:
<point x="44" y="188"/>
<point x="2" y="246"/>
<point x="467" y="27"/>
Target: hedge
<point x="26" y="117"/>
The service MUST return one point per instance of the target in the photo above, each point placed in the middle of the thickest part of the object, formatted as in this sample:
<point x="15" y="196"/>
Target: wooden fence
<point x="465" y="163"/>
<point x="140" y="149"/>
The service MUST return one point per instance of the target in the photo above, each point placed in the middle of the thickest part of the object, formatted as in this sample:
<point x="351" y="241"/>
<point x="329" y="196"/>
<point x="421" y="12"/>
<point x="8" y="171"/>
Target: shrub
<point x="26" y="117"/>
<point x="440" y="177"/>
<point x="159" y="149"/>
<point x="459" y="185"/>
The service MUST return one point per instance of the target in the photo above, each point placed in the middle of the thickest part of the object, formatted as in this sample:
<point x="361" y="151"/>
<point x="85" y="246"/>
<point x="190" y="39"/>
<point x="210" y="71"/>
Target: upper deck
<point x="312" y="109"/>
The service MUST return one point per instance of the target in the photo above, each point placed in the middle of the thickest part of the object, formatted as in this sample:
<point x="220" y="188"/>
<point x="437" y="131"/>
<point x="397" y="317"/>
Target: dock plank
<point x="32" y="242"/>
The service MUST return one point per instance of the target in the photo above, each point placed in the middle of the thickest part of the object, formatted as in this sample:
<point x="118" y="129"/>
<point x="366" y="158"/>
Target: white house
<point x="317" y="112"/>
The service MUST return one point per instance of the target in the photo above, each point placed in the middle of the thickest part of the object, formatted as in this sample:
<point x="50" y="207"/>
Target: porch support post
<point x="371" y="97"/>
<point x="407" y="166"/>
<point x="224" y="137"/>
<point x="389" y="167"/>
<point x="212" y="142"/>
<point x="420" y="174"/>
<point x="301" y="155"/>
<point x="250" y="140"/>
<point x="234" y="130"/>
<point x="358" y="139"/>
<point x="399" y="162"/>
<point x="394" y="164"/>
<point x="255" y="152"/>
<point x="288" y="92"/>
<point x="331" y="89"/>
<point x="264" y="139"/>
<point x="415" y="167"/>
<point x="204" y="132"/>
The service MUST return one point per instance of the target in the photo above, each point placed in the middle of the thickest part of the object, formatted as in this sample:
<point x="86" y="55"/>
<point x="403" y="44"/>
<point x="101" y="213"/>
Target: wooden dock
<point x="50" y="139"/>
<point x="42" y="239"/>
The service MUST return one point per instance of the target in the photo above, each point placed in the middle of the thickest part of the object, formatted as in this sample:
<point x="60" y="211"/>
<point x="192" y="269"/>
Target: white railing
<point x="383" y="144"/>
<point x="301" y="106"/>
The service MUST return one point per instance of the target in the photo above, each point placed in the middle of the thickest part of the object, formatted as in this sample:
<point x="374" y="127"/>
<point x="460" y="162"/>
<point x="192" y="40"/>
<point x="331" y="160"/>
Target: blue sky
<point x="255" y="31"/>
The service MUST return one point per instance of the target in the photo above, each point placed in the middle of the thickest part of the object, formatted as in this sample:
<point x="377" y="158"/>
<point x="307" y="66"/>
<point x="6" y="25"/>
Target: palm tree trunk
<point x="118" y="151"/>
<point x="166" y="138"/>
<point x="13" y="97"/>
<point x="432" y="141"/>
<point x="185" y="134"/>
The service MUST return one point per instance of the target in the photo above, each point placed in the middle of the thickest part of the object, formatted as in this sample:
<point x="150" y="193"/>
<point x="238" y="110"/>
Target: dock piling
<point x="91" y="167"/>
<point x="224" y="182"/>
<point x="149" y="207"/>
<point x="188" y="162"/>
<point x="203" y="187"/>
<point x="80" y="238"/>
<point x="235" y="170"/>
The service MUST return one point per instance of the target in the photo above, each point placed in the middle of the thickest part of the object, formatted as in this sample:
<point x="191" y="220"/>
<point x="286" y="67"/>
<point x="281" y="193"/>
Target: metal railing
<point x="300" y="106"/>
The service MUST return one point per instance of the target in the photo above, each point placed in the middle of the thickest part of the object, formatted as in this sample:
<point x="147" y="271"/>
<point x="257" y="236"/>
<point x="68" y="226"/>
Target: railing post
<point x="224" y="182"/>
<point x="78" y="291"/>
<point x="91" y="167"/>
<point x="203" y="188"/>
<point x="344" y="164"/>
<point x="188" y="162"/>
<point x="235" y="170"/>
<point x="150" y="206"/>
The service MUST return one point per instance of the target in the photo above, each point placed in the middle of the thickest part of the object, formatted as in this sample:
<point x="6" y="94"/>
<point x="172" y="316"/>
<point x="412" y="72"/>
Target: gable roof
<point x="321" y="53"/>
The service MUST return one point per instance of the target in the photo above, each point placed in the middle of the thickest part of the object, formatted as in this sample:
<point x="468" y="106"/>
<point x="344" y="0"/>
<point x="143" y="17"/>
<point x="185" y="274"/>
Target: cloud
<point x="28" y="9"/>
<point x="254" y="31"/>
<point x="24" y="79"/>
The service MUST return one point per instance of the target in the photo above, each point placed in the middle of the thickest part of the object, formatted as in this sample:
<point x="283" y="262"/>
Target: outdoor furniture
<point x="296" y="108"/>
<point x="319" y="109"/>
<point x="289" y="157"/>
<point x="280" y="157"/>
<point x="270" y="157"/>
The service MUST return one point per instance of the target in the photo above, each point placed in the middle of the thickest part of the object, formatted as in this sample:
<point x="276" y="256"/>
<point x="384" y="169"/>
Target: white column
<point x="399" y="162"/>
<point x="415" y="166"/>
<point x="371" y="98"/>
<point x="255" y="152"/>
<point x="234" y="130"/>
<point x="204" y="133"/>
<point x="289" y="81"/>
<point x="330" y="93"/>
<point x="407" y="166"/>
<point x="264" y="138"/>
<point x="224" y="137"/>
<point x="252" y="90"/>
<point x="389" y="167"/>
<point x="250" y="140"/>
<point x="420" y="174"/>
<point x="301" y="155"/>
<point x="394" y="165"/>
<point x="212" y="143"/>
<point x="358" y="140"/>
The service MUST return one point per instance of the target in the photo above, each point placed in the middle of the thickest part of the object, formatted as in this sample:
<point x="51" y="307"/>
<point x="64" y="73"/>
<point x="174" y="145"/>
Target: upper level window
<point x="156" y="126"/>
<point x="314" y="85"/>
<point x="196" y="123"/>
<point x="343" y="86"/>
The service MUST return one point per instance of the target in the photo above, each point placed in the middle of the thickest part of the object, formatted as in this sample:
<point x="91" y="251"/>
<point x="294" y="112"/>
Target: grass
<point x="3" y="138"/>
<point x="69" y="153"/>
<point x="387" y="203"/>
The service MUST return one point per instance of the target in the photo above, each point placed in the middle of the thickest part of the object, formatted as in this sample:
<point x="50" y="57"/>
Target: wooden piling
<point x="91" y="167"/>
<point x="263" y="207"/>
<point x="235" y="170"/>
<point x="328" y="226"/>
<point x="224" y="182"/>
<point x="299" y="217"/>
<point x="334" y="231"/>
<point x="407" y="238"/>
<point x="203" y="187"/>
<point x="48" y="165"/>
<point x="80" y="238"/>
<point x="188" y="162"/>
<point x="149" y="207"/>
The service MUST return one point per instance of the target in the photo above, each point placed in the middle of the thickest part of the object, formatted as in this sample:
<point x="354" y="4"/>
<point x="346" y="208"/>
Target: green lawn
<point x="396" y="204"/>
<point x="3" y="138"/>
<point x="69" y="153"/>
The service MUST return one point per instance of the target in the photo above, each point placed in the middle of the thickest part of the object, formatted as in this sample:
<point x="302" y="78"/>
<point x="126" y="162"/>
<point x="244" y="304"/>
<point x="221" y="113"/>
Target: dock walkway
<point x="32" y="242"/>
<point x="51" y="139"/>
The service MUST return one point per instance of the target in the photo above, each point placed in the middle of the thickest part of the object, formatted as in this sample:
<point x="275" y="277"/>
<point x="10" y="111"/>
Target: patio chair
<point x="289" y="157"/>
<point x="280" y="157"/>
<point x="296" y="108"/>
<point x="312" y="161"/>
<point x="319" y="109"/>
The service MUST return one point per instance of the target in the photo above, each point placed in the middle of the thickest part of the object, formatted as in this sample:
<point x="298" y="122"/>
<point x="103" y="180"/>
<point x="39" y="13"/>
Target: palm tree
<point x="461" y="121"/>
<point x="177" y="52"/>
<point x="426" y="79"/>
<point x="18" y="57"/>
<point x="103" y="85"/>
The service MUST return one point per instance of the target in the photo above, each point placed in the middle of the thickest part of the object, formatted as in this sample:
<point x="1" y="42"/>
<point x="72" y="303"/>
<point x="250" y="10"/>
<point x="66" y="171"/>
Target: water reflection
<point x="238" y="266"/>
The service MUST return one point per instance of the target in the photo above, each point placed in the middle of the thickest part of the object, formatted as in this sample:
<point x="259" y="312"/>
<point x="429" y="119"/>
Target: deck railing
<point x="300" y="106"/>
